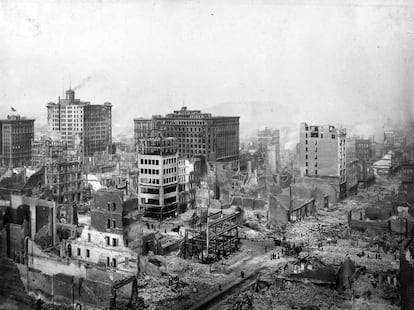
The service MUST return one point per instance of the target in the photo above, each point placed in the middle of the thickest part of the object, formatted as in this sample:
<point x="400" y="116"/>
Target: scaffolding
<point x="219" y="238"/>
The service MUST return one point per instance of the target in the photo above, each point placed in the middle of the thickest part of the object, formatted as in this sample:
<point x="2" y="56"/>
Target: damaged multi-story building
<point x="406" y="190"/>
<point x="352" y="167"/>
<point x="189" y="175"/>
<point x="47" y="150"/>
<point x="28" y="217"/>
<point x="85" y="128"/>
<point x="158" y="177"/>
<point x="16" y="134"/>
<point x="322" y="156"/>
<point x="104" y="242"/>
<point x="364" y="154"/>
<point x="63" y="181"/>
<point x="269" y="146"/>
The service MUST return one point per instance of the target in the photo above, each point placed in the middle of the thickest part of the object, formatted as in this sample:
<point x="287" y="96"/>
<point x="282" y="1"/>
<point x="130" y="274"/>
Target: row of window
<point x="150" y="171"/>
<point x="183" y="129"/>
<point x="88" y="253"/>
<point x="157" y="172"/>
<point x="169" y="161"/>
<point x="157" y="181"/>
<point x="316" y="135"/>
<point x="184" y="123"/>
<point x="114" y="241"/>
<point x="170" y="180"/>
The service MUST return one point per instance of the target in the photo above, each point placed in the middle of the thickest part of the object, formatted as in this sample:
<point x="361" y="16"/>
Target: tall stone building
<point x="322" y="154"/>
<point x="158" y="177"/>
<point x="83" y="127"/>
<point x="214" y="138"/>
<point x="16" y="135"/>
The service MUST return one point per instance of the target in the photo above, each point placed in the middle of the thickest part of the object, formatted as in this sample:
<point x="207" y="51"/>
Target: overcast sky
<point x="275" y="63"/>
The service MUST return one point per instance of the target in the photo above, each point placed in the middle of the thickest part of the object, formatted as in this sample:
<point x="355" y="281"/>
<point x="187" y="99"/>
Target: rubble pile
<point x="180" y="283"/>
<point x="286" y="295"/>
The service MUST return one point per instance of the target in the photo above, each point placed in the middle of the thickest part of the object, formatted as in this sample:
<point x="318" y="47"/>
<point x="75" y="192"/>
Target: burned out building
<point x="406" y="191"/>
<point x="83" y="127"/>
<point x="29" y="217"/>
<point x="103" y="242"/>
<point x="269" y="147"/>
<point x="47" y="150"/>
<point x="189" y="174"/>
<point x="322" y="155"/>
<point x="158" y="177"/>
<point x="363" y="150"/>
<point x="16" y="135"/>
<point x="352" y="167"/>
<point x="364" y="154"/>
<point x="63" y="181"/>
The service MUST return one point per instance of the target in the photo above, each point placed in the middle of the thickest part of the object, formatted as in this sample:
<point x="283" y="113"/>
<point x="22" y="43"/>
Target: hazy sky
<point x="274" y="63"/>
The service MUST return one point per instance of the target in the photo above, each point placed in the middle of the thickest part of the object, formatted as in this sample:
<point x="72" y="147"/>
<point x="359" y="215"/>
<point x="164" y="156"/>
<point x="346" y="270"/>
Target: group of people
<point x="274" y="256"/>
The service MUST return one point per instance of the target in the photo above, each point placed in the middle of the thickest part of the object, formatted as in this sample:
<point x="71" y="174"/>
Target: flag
<point x="13" y="109"/>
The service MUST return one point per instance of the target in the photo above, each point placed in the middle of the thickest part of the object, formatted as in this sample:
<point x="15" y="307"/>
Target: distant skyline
<point x="274" y="63"/>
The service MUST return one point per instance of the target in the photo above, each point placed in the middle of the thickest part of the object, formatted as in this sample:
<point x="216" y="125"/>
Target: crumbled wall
<point x="278" y="215"/>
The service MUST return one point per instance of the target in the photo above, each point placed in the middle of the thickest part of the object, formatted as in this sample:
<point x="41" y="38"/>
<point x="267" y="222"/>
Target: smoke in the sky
<point x="275" y="63"/>
<point x="82" y="83"/>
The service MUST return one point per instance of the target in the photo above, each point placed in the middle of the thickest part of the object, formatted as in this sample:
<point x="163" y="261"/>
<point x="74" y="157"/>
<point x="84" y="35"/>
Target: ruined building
<point x="103" y="243"/>
<point x="322" y="155"/>
<point x="352" y="167"/>
<point x="16" y="134"/>
<point x="406" y="191"/>
<point x="63" y="181"/>
<point x="47" y="150"/>
<point x="269" y="146"/>
<point x="158" y="177"/>
<point x="29" y="217"/>
<point x="364" y="154"/>
<point x="189" y="173"/>
<point x="84" y="127"/>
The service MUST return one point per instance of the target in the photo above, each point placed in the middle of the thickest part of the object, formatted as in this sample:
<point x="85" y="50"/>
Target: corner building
<point x="216" y="138"/>
<point x="158" y="177"/>
<point x="16" y="135"/>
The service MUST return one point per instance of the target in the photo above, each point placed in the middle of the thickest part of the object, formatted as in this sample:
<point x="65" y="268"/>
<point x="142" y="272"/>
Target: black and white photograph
<point x="206" y="155"/>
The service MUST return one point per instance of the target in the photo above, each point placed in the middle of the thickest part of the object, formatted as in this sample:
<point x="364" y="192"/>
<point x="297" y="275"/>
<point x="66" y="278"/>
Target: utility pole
<point x="290" y="202"/>
<point x="207" y="228"/>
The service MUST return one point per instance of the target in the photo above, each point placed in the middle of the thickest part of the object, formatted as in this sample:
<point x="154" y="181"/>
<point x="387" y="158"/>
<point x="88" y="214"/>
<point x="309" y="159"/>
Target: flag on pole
<point x="13" y="109"/>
